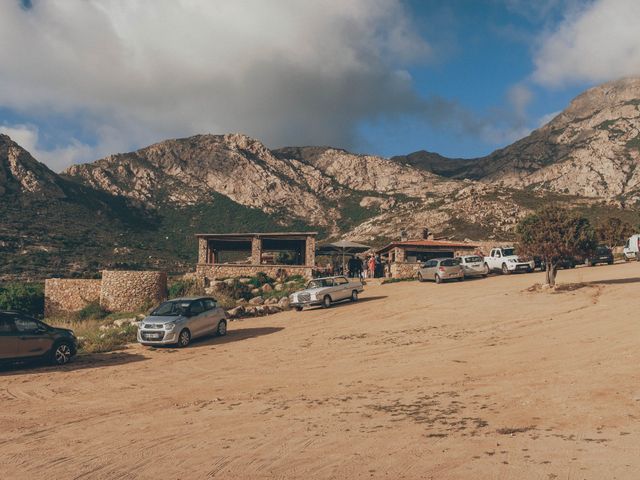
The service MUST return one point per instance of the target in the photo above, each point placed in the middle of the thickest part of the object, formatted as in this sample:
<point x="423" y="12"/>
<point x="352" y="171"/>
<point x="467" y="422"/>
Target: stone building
<point x="245" y="254"/>
<point x="405" y="257"/>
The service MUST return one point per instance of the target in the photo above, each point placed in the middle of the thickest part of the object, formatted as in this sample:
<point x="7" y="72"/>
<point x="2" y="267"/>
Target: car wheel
<point x="610" y="262"/>
<point x="61" y="353"/>
<point x="298" y="309"/>
<point x="184" y="338"/>
<point x="486" y="269"/>
<point x="588" y="263"/>
<point x="222" y="328"/>
<point x="326" y="301"/>
<point x="438" y="279"/>
<point x="505" y="270"/>
<point x="420" y="278"/>
<point x="354" y="296"/>
<point x="461" y="278"/>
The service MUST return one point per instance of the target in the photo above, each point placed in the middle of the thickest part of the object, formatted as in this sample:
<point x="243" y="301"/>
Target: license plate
<point x="154" y="335"/>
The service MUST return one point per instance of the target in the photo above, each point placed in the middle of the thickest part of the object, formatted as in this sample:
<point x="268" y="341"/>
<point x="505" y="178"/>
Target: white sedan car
<point x="325" y="291"/>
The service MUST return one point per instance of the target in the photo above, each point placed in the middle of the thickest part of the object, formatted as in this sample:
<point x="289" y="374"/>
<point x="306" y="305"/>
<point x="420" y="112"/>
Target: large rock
<point x="267" y="288"/>
<point x="236" y="312"/>
<point x="283" y="303"/>
<point x="256" y="301"/>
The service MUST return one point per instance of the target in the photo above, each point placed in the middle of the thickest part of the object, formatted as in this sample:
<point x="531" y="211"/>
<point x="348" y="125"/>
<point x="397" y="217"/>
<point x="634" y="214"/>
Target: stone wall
<point x="404" y="269"/>
<point x="128" y="291"/>
<point x="69" y="295"/>
<point x="212" y="272"/>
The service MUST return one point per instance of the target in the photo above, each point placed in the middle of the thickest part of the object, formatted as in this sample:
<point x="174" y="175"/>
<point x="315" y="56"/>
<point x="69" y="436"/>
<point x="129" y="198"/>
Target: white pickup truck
<point x="632" y="248"/>
<point x="505" y="260"/>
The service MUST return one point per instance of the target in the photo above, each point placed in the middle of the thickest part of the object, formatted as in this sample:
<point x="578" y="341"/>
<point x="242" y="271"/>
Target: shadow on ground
<point x="231" y="336"/>
<point x="80" y="362"/>
<point x="615" y="281"/>
<point x="347" y="302"/>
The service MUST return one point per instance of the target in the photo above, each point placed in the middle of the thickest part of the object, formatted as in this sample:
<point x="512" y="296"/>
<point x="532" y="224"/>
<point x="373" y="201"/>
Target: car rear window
<point x="473" y="259"/>
<point x="450" y="262"/>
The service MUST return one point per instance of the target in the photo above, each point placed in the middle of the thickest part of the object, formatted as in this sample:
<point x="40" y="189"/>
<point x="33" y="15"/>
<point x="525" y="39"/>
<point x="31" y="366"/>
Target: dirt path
<point x="480" y="379"/>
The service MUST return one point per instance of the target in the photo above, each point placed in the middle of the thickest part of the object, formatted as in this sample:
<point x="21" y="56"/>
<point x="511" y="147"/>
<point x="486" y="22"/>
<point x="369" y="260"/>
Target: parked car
<point x="325" y="291"/>
<point x="441" y="270"/>
<point x="181" y="320"/>
<point x="472" y="266"/>
<point x="506" y="260"/>
<point x="601" y="254"/>
<point x="23" y="338"/>
<point x="567" y="262"/>
<point x="632" y="248"/>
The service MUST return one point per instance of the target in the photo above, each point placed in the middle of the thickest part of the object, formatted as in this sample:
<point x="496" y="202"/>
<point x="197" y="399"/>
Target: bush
<point x="92" y="311"/>
<point x="183" y="288"/>
<point x="261" y="279"/>
<point x="24" y="297"/>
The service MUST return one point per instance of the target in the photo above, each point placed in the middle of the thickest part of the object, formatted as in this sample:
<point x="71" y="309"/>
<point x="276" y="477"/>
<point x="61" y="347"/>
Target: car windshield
<point x="509" y="252"/>
<point x="473" y="259"/>
<point x="602" y="250"/>
<point x="320" y="282"/>
<point x="170" y="309"/>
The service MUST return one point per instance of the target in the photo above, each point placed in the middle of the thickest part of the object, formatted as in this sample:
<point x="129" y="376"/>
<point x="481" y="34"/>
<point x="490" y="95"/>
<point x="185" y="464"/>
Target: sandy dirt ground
<point x="475" y="380"/>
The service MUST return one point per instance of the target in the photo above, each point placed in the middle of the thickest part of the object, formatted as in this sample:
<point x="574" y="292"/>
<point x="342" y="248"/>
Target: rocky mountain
<point x="591" y="149"/>
<point x="141" y="209"/>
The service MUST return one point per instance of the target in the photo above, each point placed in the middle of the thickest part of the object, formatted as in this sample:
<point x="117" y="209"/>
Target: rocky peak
<point x="20" y="173"/>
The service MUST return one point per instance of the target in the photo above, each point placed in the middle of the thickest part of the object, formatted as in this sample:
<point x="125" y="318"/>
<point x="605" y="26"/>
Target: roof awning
<point x="342" y="247"/>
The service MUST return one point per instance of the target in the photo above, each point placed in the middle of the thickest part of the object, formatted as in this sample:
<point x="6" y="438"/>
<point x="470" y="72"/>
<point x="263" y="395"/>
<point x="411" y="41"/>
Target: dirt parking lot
<point x="481" y="379"/>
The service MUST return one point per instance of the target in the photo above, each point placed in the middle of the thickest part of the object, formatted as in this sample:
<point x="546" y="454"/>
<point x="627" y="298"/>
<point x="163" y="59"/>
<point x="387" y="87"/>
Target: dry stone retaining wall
<point x="214" y="272"/>
<point x="69" y="295"/>
<point x="128" y="291"/>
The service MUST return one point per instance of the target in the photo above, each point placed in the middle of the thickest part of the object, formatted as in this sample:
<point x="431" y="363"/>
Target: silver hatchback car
<point x="440" y="270"/>
<point x="180" y="320"/>
<point x="472" y="265"/>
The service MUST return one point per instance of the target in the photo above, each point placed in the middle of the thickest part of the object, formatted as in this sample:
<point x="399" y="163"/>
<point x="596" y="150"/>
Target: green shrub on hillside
<point x="185" y="288"/>
<point x="92" y="311"/>
<point x="24" y="297"/>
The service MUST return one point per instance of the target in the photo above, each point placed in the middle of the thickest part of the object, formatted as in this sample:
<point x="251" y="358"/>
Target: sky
<point x="82" y="79"/>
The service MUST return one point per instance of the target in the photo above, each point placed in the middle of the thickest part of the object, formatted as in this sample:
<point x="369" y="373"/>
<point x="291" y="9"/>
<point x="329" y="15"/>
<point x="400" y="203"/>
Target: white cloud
<point x="60" y="157"/>
<point x="595" y="43"/>
<point x="284" y="71"/>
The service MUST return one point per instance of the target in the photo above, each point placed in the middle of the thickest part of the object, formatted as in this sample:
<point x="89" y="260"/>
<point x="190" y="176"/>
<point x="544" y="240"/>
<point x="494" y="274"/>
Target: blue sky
<point x="87" y="78"/>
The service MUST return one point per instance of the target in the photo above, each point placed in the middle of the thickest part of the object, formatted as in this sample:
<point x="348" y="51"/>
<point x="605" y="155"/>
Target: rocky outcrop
<point x="591" y="149"/>
<point x="20" y="173"/>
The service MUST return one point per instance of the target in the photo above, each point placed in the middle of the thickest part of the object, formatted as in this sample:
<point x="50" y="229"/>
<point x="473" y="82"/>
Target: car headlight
<point x="513" y="260"/>
<point x="292" y="298"/>
<point x="170" y="326"/>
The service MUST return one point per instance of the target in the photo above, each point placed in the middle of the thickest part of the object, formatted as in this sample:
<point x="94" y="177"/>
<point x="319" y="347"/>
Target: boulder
<point x="241" y="301"/>
<point x="244" y="280"/>
<point x="255" y="292"/>
<point x="256" y="301"/>
<point x="125" y="321"/>
<point x="236" y="312"/>
<point x="271" y="301"/>
<point x="230" y="281"/>
<point x="278" y="287"/>
<point x="283" y="303"/>
<point x="267" y="288"/>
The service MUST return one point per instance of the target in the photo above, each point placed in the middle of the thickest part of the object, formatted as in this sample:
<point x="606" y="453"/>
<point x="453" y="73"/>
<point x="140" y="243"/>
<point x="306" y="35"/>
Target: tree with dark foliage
<point x="554" y="233"/>
<point x="613" y="231"/>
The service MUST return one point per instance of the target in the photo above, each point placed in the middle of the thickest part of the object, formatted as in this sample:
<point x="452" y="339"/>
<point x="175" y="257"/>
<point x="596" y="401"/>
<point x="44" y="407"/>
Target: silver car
<point x="440" y="270"/>
<point x="180" y="320"/>
<point x="325" y="291"/>
<point x="472" y="265"/>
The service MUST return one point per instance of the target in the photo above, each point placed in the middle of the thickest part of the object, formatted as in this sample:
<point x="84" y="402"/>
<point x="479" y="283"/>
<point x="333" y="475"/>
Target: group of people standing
<point x="370" y="267"/>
